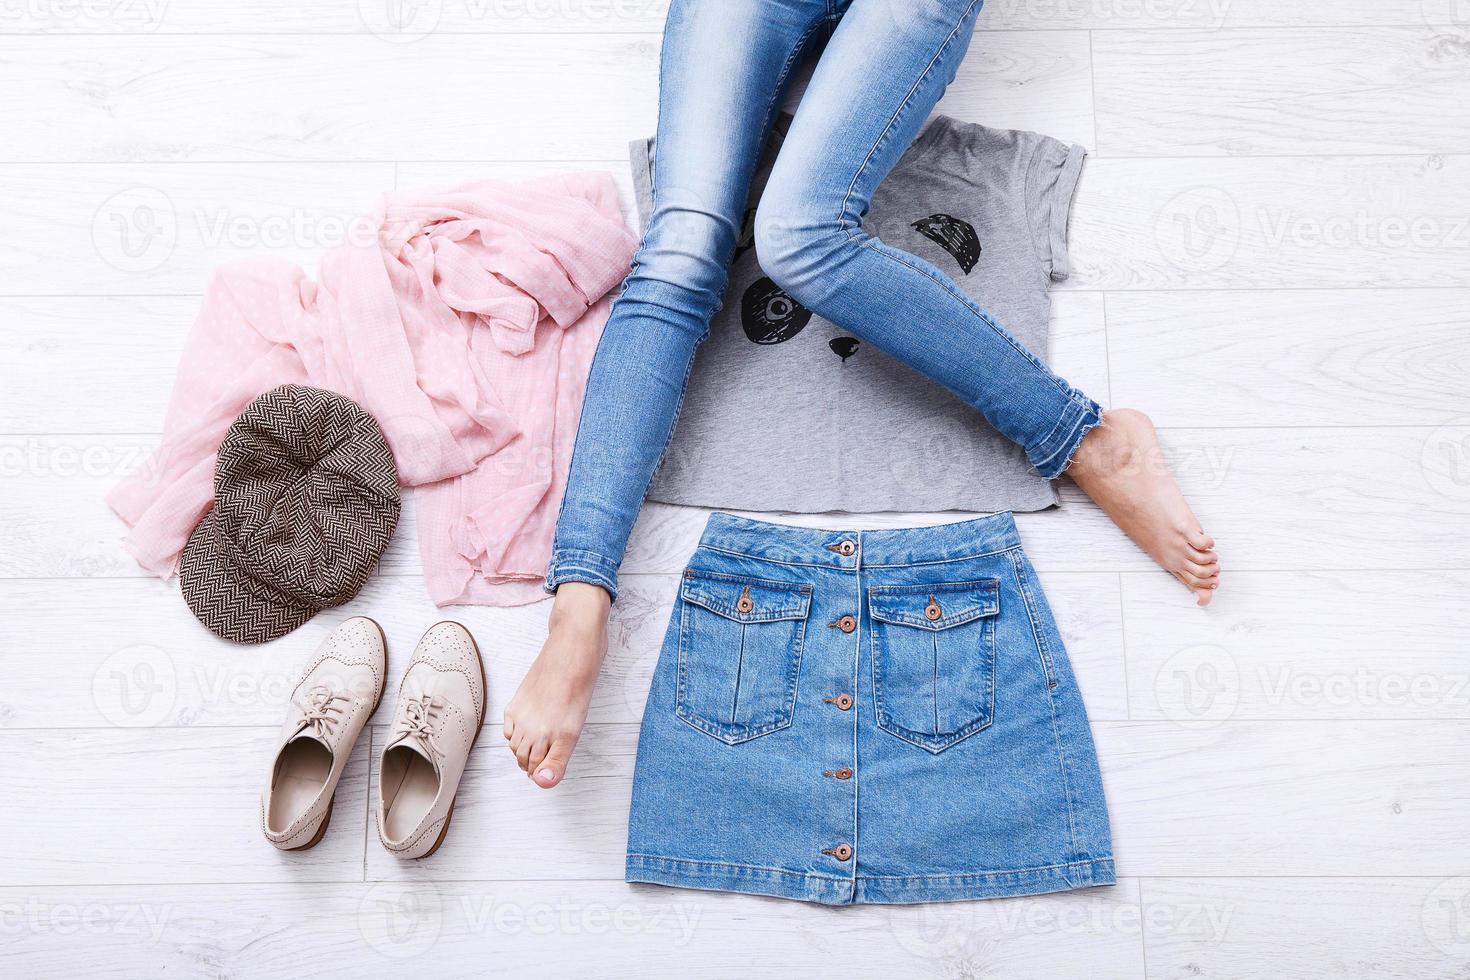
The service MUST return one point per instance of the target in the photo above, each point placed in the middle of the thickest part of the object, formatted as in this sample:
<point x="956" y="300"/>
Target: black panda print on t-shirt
<point x="954" y="235"/>
<point x="769" y="314"/>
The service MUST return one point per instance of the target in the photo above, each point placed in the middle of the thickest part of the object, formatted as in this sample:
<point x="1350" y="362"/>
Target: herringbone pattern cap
<point x="305" y="502"/>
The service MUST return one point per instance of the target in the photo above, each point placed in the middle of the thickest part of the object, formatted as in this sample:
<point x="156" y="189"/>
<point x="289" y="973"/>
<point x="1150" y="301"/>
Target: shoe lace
<point x="418" y="719"/>
<point x="320" y="712"/>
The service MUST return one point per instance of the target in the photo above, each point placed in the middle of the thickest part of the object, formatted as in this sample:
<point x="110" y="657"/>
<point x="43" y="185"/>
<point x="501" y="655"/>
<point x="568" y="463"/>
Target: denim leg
<point x="724" y="66"/>
<point x="846" y="137"/>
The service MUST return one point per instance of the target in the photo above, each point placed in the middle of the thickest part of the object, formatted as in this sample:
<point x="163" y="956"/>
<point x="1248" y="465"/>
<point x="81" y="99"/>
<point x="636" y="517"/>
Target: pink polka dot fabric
<point x="465" y="325"/>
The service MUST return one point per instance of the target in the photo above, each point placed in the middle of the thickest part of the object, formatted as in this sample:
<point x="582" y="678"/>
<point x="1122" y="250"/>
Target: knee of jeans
<point x="798" y="250"/>
<point x="683" y="258"/>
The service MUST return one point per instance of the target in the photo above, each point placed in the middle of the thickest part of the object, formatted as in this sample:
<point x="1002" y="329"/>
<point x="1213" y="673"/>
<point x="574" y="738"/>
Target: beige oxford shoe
<point x="440" y="710"/>
<point x="338" y="691"/>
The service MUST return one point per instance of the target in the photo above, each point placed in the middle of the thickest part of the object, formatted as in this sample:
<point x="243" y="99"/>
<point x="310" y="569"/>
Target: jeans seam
<point x="1085" y="408"/>
<point x="734" y="864"/>
<point x="902" y="107"/>
<point x="791" y="59"/>
<point x="893" y="254"/>
<point x="588" y="571"/>
<point x="640" y="857"/>
<point x="903" y="258"/>
<point x="1048" y="669"/>
<point x="866" y="564"/>
<point x="990" y="874"/>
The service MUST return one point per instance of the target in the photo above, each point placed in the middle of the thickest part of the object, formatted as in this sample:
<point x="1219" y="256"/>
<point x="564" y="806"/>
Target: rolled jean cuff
<point x="1054" y="454"/>
<point x="569" y="565"/>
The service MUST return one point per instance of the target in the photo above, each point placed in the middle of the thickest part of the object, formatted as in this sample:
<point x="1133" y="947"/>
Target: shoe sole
<point x="322" y="830"/>
<point x="484" y="710"/>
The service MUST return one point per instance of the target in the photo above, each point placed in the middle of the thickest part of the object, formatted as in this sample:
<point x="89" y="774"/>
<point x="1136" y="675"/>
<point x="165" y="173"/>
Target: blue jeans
<point x="725" y="66"/>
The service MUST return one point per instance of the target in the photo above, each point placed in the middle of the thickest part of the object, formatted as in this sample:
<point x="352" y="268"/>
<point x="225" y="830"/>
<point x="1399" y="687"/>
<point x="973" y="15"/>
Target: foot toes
<point x="1203" y="588"/>
<point x="1202" y="572"/>
<point x="1200" y="582"/>
<point x="1200" y="541"/>
<point x="554" y="766"/>
<point x="537" y="754"/>
<point x="1201" y="557"/>
<point x="522" y="750"/>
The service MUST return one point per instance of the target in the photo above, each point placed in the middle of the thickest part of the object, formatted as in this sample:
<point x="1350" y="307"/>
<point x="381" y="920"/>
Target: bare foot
<point x="1121" y="467"/>
<point x="545" y="718"/>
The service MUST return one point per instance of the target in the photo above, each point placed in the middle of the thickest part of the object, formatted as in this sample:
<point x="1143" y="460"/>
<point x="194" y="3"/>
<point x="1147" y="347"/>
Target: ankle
<point x="580" y="610"/>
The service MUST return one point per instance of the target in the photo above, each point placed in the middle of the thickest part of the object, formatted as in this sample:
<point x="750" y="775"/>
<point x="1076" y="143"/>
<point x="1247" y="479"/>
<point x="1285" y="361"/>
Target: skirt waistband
<point x="860" y="549"/>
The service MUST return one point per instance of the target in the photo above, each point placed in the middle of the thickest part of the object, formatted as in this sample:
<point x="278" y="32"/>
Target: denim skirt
<point x="866" y="716"/>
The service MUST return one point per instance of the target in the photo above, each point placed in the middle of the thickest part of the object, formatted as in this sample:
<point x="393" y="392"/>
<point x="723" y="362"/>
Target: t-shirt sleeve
<point x="640" y="159"/>
<point x="1051" y="181"/>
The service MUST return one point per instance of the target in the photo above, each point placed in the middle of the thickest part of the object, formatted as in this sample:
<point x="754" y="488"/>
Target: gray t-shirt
<point x="785" y="412"/>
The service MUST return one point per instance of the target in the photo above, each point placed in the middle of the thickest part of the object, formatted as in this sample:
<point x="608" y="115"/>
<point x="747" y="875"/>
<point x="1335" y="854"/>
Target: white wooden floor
<point x="1272" y="244"/>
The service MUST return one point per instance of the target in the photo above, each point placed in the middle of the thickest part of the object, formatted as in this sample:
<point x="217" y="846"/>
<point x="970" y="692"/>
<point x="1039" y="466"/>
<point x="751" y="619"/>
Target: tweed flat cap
<point x="305" y="502"/>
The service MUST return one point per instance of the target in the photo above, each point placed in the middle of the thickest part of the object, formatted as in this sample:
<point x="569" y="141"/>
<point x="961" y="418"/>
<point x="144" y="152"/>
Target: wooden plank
<point x="407" y="24"/>
<point x="53" y="521"/>
<point x="117" y="354"/>
<point x="1238" y="798"/>
<point x="1162" y="224"/>
<point x="1244" y="92"/>
<point x="1078" y="343"/>
<point x="1275" y="500"/>
<point x="1303" y="929"/>
<point x="131" y="229"/>
<point x="1301" y="645"/>
<point x="424" y="175"/>
<point x="1284" y="223"/>
<point x="580" y="830"/>
<point x="144" y="661"/>
<point x="1292" y="357"/>
<point x="115" y="806"/>
<point x="555" y="97"/>
<point x="536" y="929"/>
<point x="1288" y="798"/>
<point x="138" y="659"/>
